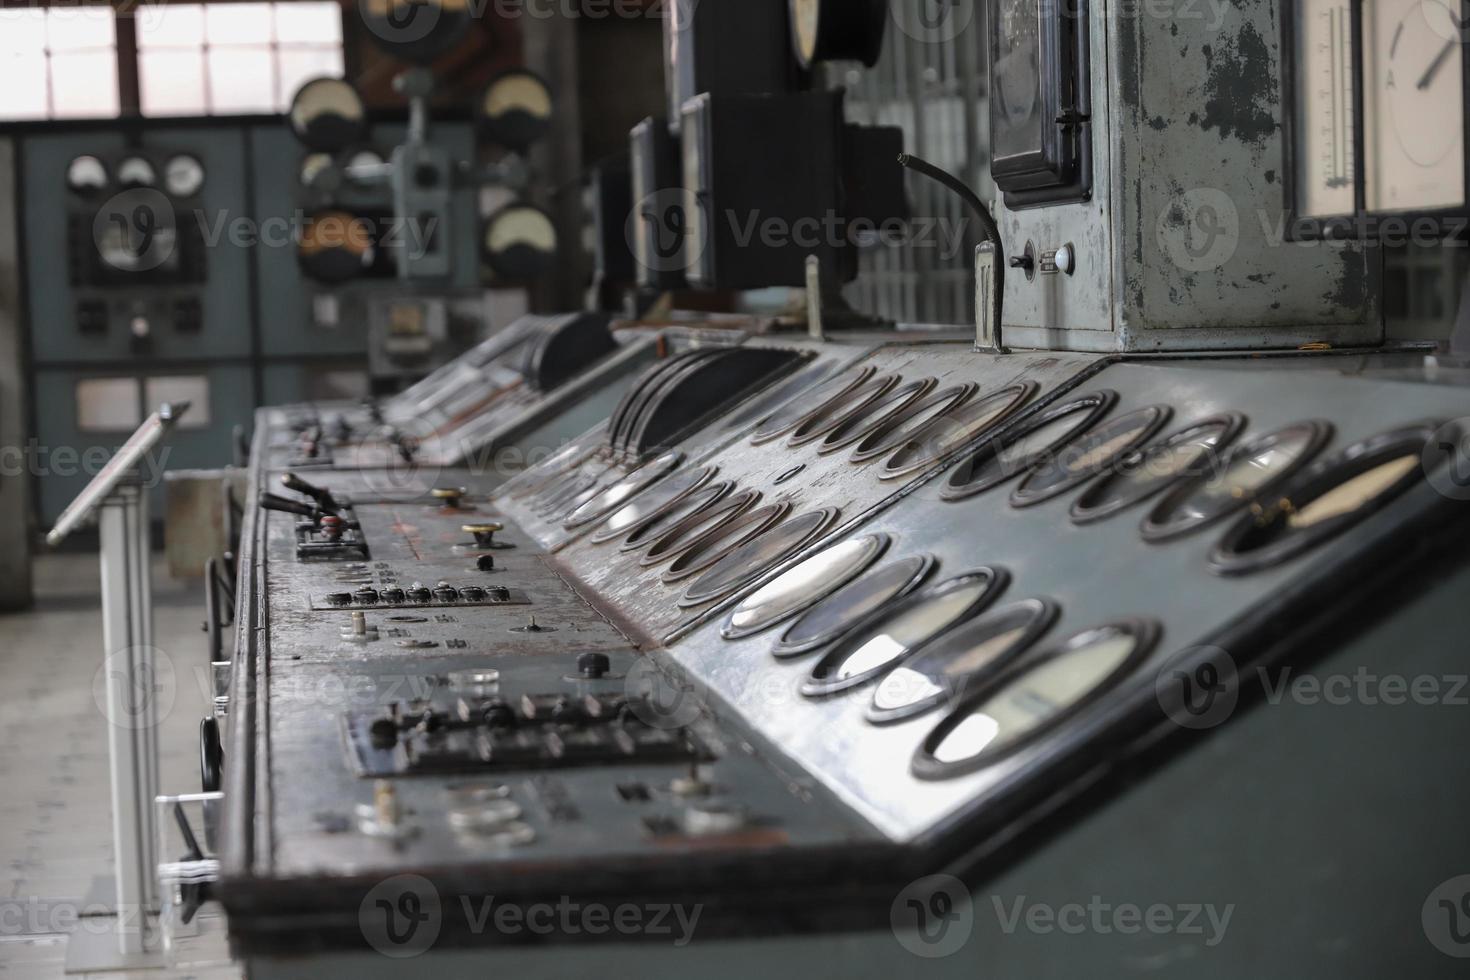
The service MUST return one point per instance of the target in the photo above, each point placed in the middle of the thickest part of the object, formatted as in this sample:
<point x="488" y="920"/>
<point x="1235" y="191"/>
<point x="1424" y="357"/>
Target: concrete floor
<point x="55" y="812"/>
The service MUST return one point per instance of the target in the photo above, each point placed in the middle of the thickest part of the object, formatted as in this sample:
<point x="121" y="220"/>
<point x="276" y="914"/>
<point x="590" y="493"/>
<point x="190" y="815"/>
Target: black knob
<point x="446" y="593"/>
<point x="472" y="593"/>
<point x="593" y="665"/>
<point x="499" y="593"/>
<point x="391" y="595"/>
<point x="365" y="596"/>
<point x="498" y="714"/>
<point x="384" y="733"/>
<point x="322" y="496"/>
<point x="339" y="598"/>
<point x="419" y="594"/>
<point x="485" y="563"/>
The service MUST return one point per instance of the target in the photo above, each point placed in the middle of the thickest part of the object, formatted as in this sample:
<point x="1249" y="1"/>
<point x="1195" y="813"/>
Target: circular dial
<point x="334" y="246"/>
<point x="1149" y="472"/>
<point x="720" y="541"/>
<point x="183" y="175"/>
<point x="803" y="407"/>
<point x="1421" y="71"/>
<point x="327" y="114"/>
<point x="519" y="242"/>
<point x="651" y="501"/>
<point x="515" y="110"/>
<point x="1025" y="445"/>
<point x="136" y="172"/>
<point x="837" y="30"/>
<point x="954" y="429"/>
<point x="852" y="604"/>
<point x="841" y="409"/>
<point x="1085" y="457"/>
<point x="86" y="175"/>
<point x="752" y="559"/>
<point x="619" y="493"/>
<point x="886" y="410"/>
<point x="676" y="514"/>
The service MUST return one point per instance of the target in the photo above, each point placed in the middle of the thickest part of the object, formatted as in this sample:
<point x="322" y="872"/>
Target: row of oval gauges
<point x="87" y="176"/>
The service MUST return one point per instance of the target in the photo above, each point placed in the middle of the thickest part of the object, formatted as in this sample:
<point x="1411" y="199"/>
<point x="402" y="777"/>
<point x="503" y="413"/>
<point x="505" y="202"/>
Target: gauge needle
<point x="1436" y="64"/>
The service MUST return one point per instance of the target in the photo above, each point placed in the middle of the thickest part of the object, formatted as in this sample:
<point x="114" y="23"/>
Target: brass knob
<point x="484" y="534"/>
<point x="448" y="497"/>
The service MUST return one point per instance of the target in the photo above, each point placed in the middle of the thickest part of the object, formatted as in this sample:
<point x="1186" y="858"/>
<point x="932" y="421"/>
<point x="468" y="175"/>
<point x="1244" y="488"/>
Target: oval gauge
<point x="800" y="586"/>
<point x="837" y="30"/>
<point x="327" y="114"/>
<point x="558" y="497"/>
<point x="720" y="541"/>
<point x="86" y="176"/>
<point x="765" y="402"/>
<point x="1324" y="500"/>
<point x="515" y="109"/>
<point x="652" y="501"/>
<point x="1253" y="468"/>
<point x="842" y="408"/>
<point x="519" y="242"/>
<point x="802" y="407"/>
<point x="623" y="490"/>
<point x="1034" y="698"/>
<point x="892" y="432"/>
<point x="1099" y="449"/>
<point x="955" y="429"/>
<point x="754" y="558"/>
<point x="1149" y="471"/>
<point x="1025" y="445"/>
<point x="902" y="629"/>
<point x="334" y="246"/>
<point x="676" y="536"/>
<point x="679" y="511"/>
<point x="961" y="661"/>
<point x="136" y="172"/>
<point x="890" y="407"/>
<point x="852" y="605"/>
<point x="183" y="175"/>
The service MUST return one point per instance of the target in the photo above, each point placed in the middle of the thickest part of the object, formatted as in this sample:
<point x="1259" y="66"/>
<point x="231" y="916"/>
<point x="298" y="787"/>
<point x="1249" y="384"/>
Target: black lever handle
<point x="321" y="495"/>
<point x="269" y="501"/>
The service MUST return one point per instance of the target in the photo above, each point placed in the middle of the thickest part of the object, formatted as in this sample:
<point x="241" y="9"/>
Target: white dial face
<point x="1414" y="100"/>
<point x="183" y="176"/>
<point x="136" y="172"/>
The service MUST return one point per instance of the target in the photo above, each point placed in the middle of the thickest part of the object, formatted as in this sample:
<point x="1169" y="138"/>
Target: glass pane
<point x="74" y="28"/>
<point x="22" y="31"/>
<point x="311" y="23"/>
<point x="172" y="83"/>
<point x="241" y="80"/>
<point x="174" y="25"/>
<point x="191" y="388"/>
<point x="107" y="405"/>
<point x="84" y="84"/>
<point x="299" y="65"/>
<point x="238" y="23"/>
<point x="22" y="86"/>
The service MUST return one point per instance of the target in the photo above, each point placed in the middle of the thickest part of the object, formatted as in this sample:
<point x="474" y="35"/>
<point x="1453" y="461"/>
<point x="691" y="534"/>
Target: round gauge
<point x="904" y="628"/>
<point x="961" y="661"/>
<point x="1090" y="454"/>
<point x="766" y="401"/>
<point x="315" y="171"/>
<point x="652" y="501"/>
<point x="755" y="557"/>
<point x="803" y="407"/>
<point x="334" y="246"/>
<point x="86" y="175"/>
<point x="1252" y="469"/>
<point x="519" y="242"/>
<point x="418" y="32"/>
<point x="626" y="488"/>
<point x="837" y="30"/>
<point x="1325" y="500"/>
<point x="515" y="109"/>
<point x="183" y="175"/>
<point x="327" y="114"/>
<point x="1420" y="73"/>
<point x="891" y="407"/>
<point x="720" y="541"/>
<point x="1146" y="473"/>
<point x="898" y="429"/>
<point x="677" y="536"/>
<point x="1026" y="444"/>
<point x="675" y="514"/>
<point x="136" y="172"/>
<point x="840" y="409"/>
<point x="800" y="586"/>
<point x="851" y="605"/>
<point x="1034" y="699"/>
<point x="955" y="429"/>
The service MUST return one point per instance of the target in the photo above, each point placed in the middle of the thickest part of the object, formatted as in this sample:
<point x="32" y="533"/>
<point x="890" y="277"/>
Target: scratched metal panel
<point x="1096" y="573"/>
<point x="636" y="595"/>
<point x="1188" y="202"/>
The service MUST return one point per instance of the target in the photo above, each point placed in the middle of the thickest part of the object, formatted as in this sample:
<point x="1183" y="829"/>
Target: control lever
<point x="322" y="496"/>
<point x="269" y="501"/>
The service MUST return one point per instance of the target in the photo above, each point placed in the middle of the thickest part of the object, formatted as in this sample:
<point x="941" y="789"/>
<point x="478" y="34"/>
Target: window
<point x="58" y="63"/>
<point x="197" y="59"/>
